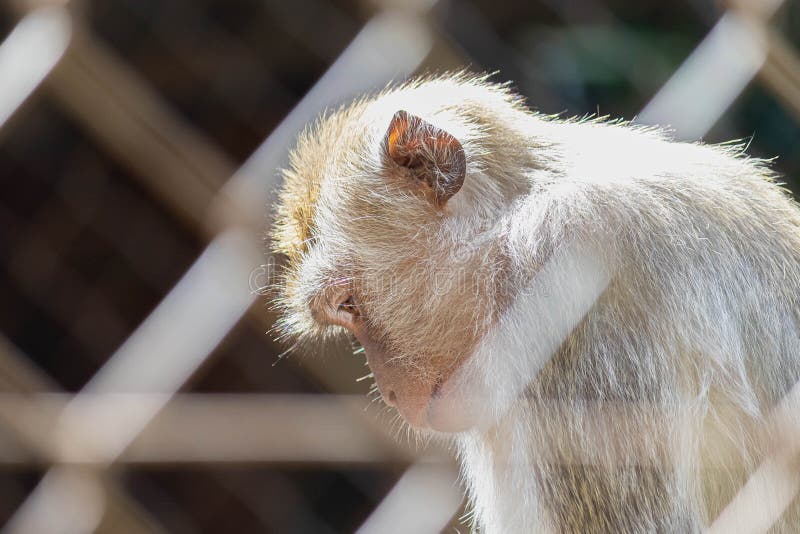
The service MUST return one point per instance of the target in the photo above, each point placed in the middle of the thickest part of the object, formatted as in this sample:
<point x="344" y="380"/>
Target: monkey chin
<point x="427" y="408"/>
<point x="443" y="409"/>
<point x="448" y="414"/>
<point x="439" y="414"/>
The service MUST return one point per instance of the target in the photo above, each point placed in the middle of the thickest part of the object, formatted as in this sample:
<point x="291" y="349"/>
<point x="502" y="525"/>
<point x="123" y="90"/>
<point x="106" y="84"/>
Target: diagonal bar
<point x="228" y="261"/>
<point x="30" y="52"/>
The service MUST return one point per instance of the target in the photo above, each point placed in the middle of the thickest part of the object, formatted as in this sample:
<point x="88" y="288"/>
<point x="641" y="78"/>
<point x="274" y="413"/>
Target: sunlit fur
<point x="691" y="341"/>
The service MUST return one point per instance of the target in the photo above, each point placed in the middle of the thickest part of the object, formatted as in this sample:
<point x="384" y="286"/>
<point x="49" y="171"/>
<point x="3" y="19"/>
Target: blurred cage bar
<point x="139" y="149"/>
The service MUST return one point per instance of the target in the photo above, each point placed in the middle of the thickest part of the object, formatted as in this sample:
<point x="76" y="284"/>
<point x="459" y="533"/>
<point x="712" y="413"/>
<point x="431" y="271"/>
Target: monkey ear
<point x="432" y="155"/>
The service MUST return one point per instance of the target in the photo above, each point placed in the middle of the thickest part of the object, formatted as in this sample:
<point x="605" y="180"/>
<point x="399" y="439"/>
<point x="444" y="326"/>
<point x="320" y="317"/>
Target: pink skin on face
<point x="409" y="395"/>
<point x="422" y="402"/>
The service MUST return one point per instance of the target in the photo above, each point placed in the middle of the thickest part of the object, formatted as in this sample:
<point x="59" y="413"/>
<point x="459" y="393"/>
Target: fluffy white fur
<point x="630" y="316"/>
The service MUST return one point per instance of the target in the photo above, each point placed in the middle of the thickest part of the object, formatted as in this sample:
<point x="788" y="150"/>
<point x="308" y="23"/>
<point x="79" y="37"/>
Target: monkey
<point x="600" y="320"/>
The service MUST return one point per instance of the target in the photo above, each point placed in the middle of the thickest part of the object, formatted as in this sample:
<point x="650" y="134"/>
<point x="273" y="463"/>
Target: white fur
<point x="651" y="314"/>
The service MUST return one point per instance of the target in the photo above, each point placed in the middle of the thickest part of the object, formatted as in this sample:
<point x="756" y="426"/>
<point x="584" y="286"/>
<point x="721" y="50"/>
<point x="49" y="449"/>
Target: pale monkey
<point x="600" y="319"/>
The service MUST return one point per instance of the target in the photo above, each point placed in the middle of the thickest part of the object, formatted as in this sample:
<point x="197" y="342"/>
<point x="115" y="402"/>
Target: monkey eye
<point x="343" y="310"/>
<point x="348" y="306"/>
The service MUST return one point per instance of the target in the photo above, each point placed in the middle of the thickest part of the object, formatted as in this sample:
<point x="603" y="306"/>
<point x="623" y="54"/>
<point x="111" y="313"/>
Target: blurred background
<point x="140" y="388"/>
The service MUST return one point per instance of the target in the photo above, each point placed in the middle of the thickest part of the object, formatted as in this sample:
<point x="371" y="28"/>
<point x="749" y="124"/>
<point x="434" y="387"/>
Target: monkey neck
<point x="498" y="469"/>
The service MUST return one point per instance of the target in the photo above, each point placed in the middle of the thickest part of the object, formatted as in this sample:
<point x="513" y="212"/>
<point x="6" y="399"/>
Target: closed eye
<point x="348" y="306"/>
<point x="343" y="310"/>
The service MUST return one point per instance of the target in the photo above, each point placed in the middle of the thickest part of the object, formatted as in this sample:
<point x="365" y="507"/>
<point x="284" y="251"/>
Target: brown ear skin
<point x="430" y="154"/>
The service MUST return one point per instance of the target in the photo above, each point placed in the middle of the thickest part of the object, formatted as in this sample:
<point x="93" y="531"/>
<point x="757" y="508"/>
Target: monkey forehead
<point x="323" y="149"/>
<point x="341" y="152"/>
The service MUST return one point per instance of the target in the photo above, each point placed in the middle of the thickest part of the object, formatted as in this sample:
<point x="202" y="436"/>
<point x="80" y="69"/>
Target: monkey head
<point x="390" y="216"/>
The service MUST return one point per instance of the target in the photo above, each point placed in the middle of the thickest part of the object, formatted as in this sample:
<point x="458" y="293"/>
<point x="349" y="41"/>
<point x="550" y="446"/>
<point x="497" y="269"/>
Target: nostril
<point x="392" y="397"/>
